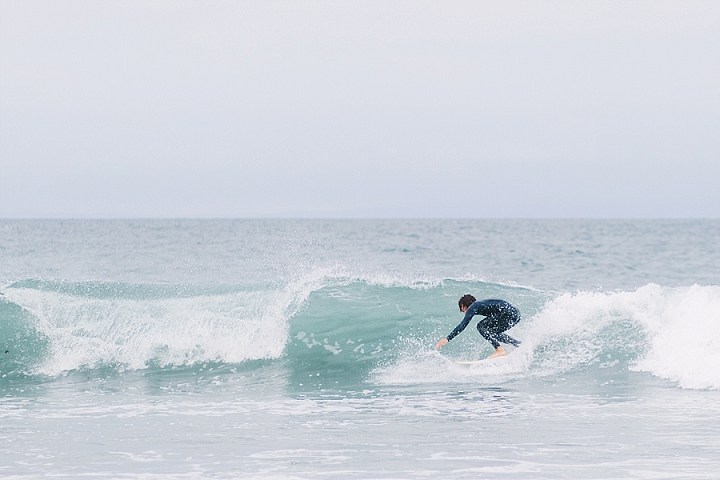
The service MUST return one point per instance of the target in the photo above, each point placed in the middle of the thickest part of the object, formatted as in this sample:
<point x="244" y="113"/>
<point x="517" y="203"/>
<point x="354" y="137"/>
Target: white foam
<point x="681" y="325"/>
<point x="684" y="325"/>
<point x="232" y="327"/>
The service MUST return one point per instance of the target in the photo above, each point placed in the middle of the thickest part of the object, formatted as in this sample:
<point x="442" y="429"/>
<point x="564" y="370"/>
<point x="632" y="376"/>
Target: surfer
<point x="499" y="316"/>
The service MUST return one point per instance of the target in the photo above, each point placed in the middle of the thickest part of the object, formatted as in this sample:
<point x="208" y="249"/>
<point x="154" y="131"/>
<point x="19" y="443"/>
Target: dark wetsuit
<point x="499" y="316"/>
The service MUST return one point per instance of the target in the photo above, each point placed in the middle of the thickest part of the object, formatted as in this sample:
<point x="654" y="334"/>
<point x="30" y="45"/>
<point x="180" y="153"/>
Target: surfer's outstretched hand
<point x="441" y="343"/>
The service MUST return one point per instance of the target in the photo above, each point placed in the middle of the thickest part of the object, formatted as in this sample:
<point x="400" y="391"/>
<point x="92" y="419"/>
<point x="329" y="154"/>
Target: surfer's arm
<point x="469" y="314"/>
<point x="461" y="326"/>
<point x="455" y="332"/>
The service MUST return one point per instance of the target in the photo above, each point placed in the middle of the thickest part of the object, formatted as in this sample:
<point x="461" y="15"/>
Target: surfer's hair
<point x="466" y="301"/>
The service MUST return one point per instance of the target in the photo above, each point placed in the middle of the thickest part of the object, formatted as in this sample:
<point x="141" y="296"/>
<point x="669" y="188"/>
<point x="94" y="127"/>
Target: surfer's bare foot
<point x="499" y="352"/>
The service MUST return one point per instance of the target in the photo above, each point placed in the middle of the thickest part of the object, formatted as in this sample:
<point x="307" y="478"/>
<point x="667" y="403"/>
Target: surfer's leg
<point x="492" y="328"/>
<point x="485" y="327"/>
<point x="488" y="329"/>
<point x="504" y="323"/>
<point x="505" y="338"/>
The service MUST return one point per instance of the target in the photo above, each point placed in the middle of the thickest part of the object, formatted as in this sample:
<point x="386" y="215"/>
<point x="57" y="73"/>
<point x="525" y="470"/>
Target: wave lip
<point x="90" y="331"/>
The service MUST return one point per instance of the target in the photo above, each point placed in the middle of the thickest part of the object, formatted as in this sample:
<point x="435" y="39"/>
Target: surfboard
<point x="472" y="362"/>
<point x="482" y="361"/>
<point x="466" y="363"/>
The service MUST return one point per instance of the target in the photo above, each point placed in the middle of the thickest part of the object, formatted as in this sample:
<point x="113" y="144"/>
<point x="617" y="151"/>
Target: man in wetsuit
<point x="499" y="316"/>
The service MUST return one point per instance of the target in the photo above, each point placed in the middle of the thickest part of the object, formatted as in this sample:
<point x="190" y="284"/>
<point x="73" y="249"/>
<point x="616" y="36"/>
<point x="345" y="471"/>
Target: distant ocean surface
<point x="303" y="349"/>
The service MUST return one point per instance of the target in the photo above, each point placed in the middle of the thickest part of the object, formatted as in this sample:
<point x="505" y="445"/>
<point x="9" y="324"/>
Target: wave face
<point x="329" y="331"/>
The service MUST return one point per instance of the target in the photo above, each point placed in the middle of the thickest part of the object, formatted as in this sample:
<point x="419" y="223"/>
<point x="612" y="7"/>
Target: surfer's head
<point x="466" y="301"/>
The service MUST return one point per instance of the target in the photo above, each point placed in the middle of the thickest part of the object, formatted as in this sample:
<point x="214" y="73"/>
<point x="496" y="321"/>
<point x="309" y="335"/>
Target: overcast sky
<point x="348" y="109"/>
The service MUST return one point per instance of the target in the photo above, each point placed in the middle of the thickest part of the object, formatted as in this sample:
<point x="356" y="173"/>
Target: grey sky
<point x="359" y="109"/>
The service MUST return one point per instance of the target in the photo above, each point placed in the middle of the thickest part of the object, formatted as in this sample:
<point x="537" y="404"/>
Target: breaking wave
<point x="357" y="330"/>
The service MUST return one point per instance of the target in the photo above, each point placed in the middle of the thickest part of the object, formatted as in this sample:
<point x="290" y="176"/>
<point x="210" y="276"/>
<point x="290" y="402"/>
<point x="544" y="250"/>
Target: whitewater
<point x="306" y="349"/>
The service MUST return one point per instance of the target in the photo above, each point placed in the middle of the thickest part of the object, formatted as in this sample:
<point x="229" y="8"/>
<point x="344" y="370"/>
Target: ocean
<point x="303" y="349"/>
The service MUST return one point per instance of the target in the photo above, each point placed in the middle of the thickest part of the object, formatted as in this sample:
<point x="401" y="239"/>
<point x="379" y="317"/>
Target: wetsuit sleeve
<point x="468" y="316"/>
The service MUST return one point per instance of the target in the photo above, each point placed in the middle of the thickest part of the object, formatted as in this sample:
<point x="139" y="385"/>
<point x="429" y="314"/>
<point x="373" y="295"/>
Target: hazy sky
<point x="359" y="109"/>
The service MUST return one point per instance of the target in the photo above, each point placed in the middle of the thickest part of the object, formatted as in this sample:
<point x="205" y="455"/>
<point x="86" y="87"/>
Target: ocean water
<point x="305" y="349"/>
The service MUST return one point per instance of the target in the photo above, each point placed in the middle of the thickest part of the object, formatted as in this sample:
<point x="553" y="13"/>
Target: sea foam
<point x="88" y="332"/>
<point x="680" y="329"/>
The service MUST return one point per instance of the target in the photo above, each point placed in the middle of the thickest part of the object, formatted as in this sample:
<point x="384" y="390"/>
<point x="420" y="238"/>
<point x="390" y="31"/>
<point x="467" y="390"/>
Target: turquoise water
<point x="305" y="349"/>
